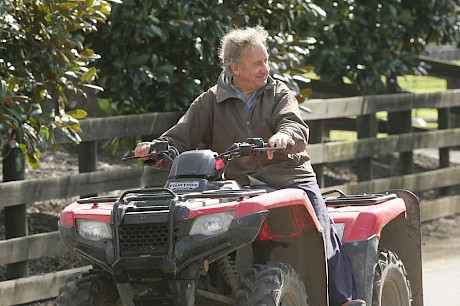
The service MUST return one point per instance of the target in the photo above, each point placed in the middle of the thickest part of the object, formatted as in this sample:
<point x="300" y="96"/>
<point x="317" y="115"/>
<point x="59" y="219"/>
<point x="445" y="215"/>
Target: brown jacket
<point x="217" y="119"/>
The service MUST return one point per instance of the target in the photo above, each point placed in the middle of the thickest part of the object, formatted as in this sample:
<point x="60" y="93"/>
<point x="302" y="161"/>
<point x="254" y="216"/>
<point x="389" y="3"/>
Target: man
<point x="247" y="102"/>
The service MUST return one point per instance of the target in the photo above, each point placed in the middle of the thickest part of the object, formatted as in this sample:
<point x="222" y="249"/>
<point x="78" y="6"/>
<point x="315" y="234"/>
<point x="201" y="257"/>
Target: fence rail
<point x="48" y="244"/>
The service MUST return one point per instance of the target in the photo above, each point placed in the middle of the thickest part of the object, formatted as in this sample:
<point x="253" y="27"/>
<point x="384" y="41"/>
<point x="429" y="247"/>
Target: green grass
<point x="425" y="117"/>
<point x="422" y="84"/>
<point x="415" y="84"/>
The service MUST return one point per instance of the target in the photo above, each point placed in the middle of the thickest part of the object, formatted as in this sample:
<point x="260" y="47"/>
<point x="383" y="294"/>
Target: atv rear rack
<point x="359" y="200"/>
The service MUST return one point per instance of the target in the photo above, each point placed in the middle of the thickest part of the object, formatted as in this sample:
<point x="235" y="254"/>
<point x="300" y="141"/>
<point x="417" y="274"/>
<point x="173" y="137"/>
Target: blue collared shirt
<point x="249" y="103"/>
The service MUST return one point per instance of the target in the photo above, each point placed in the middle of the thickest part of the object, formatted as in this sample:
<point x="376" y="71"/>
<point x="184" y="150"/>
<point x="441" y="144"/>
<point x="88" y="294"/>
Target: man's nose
<point x="266" y="68"/>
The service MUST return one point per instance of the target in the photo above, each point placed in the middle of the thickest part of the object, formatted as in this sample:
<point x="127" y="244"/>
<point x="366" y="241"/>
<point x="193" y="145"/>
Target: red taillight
<point x="220" y="164"/>
<point x="67" y="218"/>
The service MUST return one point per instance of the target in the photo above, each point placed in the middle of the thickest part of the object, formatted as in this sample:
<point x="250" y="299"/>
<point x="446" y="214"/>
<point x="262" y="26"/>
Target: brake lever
<point x="269" y="149"/>
<point x="148" y="156"/>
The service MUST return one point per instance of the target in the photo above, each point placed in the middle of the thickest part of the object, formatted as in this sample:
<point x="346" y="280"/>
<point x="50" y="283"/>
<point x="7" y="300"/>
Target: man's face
<point x="251" y="73"/>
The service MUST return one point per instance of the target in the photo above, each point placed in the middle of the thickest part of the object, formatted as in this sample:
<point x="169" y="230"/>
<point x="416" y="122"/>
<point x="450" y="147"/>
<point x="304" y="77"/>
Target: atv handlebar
<point x="252" y="146"/>
<point x="162" y="150"/>
<point x="158" y="150"/>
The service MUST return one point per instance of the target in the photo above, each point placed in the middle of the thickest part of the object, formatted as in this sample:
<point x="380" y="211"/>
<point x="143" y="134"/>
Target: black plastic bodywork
<point x="182" y="257"/>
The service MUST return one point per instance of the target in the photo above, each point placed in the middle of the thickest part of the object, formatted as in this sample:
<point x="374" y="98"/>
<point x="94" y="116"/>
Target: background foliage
<point x="43" y="60"/>
<point x="164" y="53"/>
<point x="159" y="55"/>
<point x="371" y="42"/>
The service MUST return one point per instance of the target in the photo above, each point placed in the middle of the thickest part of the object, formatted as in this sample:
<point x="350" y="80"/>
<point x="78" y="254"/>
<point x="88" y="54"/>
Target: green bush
<point x="43" y="59"/>
<point x="159" y="55"/>
<point x="372" y="42"/>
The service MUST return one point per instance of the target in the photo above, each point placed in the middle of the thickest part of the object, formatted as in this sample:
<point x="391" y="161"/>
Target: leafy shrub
<point x="159" y="55"/>
<point x="43" y="59"/>
<point x="371" y="42"/>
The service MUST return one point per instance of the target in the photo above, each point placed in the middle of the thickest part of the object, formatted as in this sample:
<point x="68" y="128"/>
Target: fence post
<point x="87" y="159"/>
<point x="444" y="153"/>
<point x="399" y="123"/>
<point x="366" y="127"/>
<point x="15" y="216"/>
<point x="454" y="112"/>
<point x="316" y="136"/>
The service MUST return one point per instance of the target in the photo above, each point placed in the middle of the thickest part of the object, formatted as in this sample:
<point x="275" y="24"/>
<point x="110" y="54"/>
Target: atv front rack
<point x="216" y="194"/>
<point x="166" y="193"/>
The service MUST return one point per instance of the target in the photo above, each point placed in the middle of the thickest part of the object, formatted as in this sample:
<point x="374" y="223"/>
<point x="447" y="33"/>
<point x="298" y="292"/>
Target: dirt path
<point x="441" y="238"/>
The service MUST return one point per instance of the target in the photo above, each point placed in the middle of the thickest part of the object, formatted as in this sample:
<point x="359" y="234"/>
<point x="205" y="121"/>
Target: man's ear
<point x="234" y="68"/>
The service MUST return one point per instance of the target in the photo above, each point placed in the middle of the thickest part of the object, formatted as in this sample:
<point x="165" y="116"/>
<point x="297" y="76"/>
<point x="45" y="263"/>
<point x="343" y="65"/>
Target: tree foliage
<point x="159" y="55"/>
<point x="164" y="53"/>
<point x="43" y="59"/>
<point x="365" y="40"/>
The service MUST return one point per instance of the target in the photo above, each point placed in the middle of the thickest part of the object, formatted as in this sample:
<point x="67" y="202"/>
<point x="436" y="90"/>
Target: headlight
<point x="212" y="224"/>
<point x="93" y="230"/>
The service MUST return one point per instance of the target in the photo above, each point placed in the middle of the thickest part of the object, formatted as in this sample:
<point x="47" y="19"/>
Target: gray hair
<point x="233" y="43"/>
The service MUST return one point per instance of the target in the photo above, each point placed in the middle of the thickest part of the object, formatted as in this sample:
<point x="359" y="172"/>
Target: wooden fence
<point x="324" y="115"/>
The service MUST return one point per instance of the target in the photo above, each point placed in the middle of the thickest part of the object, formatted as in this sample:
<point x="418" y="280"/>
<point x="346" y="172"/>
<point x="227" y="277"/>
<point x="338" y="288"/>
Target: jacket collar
<point x="224" y="91"/>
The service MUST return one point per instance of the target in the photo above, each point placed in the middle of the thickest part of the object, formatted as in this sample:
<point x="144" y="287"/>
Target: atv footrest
<point x="362" y="199"/>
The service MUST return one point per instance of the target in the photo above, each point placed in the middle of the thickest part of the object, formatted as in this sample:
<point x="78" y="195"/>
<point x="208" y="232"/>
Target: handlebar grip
<point x="159" y="146"/>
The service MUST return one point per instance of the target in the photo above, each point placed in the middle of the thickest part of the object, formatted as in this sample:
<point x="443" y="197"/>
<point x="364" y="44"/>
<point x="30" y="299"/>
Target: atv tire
<point x="391" y="286"/>
<point x="274" y="284"/>
<point x="88" y="289"/>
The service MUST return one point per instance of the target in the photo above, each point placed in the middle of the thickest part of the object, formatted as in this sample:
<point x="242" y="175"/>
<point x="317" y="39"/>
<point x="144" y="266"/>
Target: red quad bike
<point x="203" y="240"/>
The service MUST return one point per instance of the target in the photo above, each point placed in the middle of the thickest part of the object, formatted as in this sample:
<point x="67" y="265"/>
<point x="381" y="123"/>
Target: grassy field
<point x="422" y="84"/>
<point x="421" y="117"/>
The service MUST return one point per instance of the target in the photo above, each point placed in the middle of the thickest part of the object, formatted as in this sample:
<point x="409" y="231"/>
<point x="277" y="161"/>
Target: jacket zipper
<point x="248" y="126"/>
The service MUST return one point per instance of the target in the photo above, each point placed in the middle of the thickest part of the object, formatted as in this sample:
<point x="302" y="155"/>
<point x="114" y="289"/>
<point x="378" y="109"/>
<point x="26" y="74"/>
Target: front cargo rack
<point x="231" y="193"/>
<point x="165" y="193"/>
